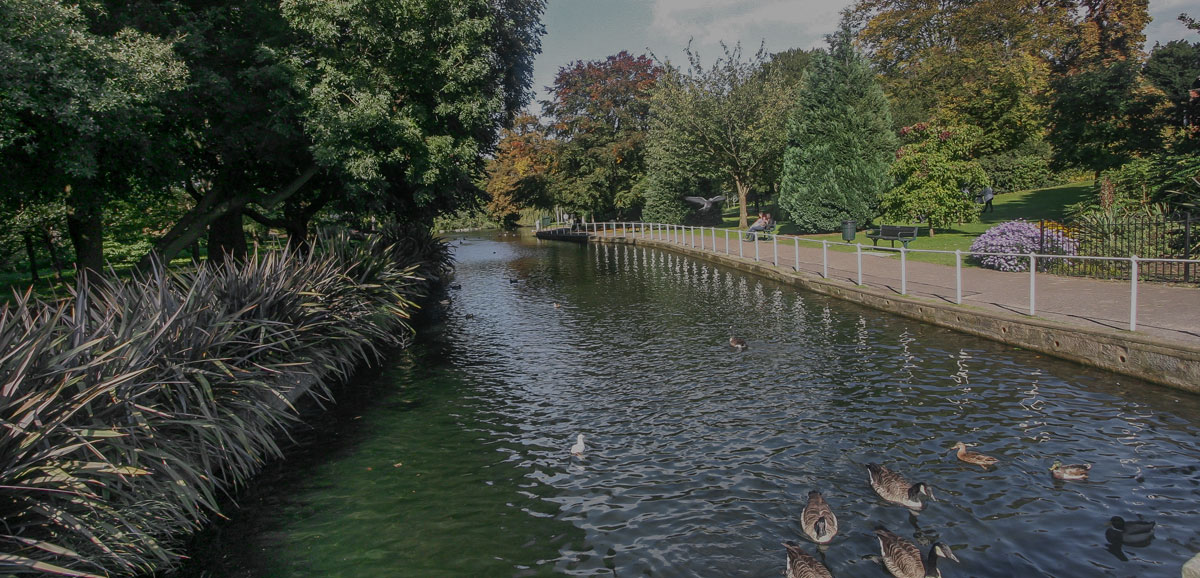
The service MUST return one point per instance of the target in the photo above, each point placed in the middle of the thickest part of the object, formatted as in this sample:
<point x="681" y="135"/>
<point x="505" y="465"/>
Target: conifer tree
<point x="840" y="143"/>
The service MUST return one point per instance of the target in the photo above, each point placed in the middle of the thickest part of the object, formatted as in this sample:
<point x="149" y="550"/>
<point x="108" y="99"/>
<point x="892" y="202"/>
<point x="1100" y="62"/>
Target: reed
<point x="128" y="409"/>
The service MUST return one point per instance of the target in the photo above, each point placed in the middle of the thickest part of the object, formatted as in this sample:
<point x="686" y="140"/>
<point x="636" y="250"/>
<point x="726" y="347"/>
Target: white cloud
<point x="782" y="24"/>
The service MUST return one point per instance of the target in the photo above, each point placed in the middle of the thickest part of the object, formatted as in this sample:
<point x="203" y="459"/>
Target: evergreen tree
<point x="840" y="142"/>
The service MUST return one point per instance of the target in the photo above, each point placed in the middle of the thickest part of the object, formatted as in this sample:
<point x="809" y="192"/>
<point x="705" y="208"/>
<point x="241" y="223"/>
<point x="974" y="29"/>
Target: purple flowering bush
<point x="1021" y="237"/>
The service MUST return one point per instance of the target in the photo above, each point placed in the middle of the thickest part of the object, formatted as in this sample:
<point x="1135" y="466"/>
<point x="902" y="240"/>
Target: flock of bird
<point x="900" y="557"/>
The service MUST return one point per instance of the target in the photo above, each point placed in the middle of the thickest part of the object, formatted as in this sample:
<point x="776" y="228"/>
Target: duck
<point x="817" y="519"/>
<point x="801" y="565"/>
<point x="736" y="342"/>
<point x="903" y="560"/>
<point x="892" y="487"/>
<point x="577" y="449"/>
<point x="1069" y="472"/>
<point x="974" y="457"/>
<point x="1134" y="533"/>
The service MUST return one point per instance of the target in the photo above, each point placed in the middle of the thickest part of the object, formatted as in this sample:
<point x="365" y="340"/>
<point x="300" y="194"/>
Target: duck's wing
<point x="900" y="556"/>
<point x="717" y="199"/>
<point x="801" y="565"/>
<point x="887" y="483"/>
<point x="698" y="200"/>
<point x="816" y="509"/>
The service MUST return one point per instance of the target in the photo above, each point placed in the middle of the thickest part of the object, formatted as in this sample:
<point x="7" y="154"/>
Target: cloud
<point x="782" y="24"/>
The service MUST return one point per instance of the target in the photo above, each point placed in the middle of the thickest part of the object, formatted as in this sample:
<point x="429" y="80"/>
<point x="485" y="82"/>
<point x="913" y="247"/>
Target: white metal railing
<point x="685" y="235"/>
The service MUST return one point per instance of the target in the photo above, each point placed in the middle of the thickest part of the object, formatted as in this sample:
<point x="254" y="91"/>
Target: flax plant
<point x="129" y="409"/>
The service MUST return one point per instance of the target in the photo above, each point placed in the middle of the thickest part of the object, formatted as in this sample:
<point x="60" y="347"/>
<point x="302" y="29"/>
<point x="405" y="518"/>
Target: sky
<point x="596" y="29"/>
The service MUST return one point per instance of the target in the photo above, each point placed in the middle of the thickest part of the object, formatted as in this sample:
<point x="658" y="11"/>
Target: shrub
<point x="1018" y="170"/>
<point x="132" y="405"/>
<point x="1021" y="237"/>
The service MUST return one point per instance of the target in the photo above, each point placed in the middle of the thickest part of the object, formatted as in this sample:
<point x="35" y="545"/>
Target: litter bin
<point x="848" y="229"/>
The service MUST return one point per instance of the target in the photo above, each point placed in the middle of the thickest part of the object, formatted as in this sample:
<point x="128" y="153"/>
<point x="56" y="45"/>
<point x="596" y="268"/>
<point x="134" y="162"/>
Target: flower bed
<point x="1021" y="237"/>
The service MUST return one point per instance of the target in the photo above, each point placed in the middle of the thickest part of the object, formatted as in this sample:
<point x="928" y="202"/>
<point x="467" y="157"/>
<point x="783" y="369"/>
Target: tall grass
<point x="130" y="407"/>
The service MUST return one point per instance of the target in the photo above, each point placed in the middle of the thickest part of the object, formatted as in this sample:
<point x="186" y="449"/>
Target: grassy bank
<point x="133" y="404"/>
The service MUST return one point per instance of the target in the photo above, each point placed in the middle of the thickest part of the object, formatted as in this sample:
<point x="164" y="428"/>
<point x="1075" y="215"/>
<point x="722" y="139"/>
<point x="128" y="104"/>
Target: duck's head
<point x="921" y="489"/>
<point x="943" y="551"/>
<point x="1055" y="466"/>
<point x="1117" y="522"/>
<point x="959" y="446"/>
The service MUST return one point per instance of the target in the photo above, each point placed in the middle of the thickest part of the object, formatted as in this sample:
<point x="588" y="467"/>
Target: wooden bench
<point x="893" y="233"/>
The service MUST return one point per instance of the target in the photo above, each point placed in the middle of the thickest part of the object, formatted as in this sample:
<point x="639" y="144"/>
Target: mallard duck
<point x="1134" y="533"/>
<point x="974" y="457"/>
<point x="736" y="342"/>
<point x="892" y="487"/>
<point x="817" y="519"/>
<point x="1069" y="472"/>
<point x="577" y="449"/>
<point x="801" y="565"/>
<point x="903" y="559"/>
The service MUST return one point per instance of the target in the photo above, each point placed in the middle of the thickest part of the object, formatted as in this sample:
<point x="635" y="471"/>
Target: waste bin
<point x="848" y="229"/>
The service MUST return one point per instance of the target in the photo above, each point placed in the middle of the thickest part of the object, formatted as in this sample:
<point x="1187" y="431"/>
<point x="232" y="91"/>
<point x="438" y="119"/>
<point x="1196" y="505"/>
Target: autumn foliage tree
<point x="517" y="176"/>
<point x="599" y="112"/>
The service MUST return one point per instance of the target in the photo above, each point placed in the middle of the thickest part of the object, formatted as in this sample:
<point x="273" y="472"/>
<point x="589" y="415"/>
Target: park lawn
<point x="1032" y="205"/>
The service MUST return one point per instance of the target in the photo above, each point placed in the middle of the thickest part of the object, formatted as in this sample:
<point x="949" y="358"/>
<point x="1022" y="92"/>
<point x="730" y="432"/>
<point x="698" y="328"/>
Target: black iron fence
<point x="1161" y="237"/>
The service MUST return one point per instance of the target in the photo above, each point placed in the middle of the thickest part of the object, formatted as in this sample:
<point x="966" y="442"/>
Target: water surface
<point x="454" y="460"/>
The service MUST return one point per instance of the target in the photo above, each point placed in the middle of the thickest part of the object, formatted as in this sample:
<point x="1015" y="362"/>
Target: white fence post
<point x="958" y="276"/>
<point x="858" y="249"/>
<point x="903" y="270"/>
<point x="775" y="247"/>
<point x="726" y="241"/>
<point x="796" y="247"/>
<point x="1133" y="289"/>
<point x="1032" y="284"/>
<point x="824" y="258"/>
<point x="741" y="252"/>
<point x="755" y="247"/>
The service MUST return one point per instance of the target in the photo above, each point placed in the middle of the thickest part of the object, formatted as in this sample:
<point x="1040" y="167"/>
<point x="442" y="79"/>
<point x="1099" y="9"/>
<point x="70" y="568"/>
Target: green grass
<point x="1048" y="203"/>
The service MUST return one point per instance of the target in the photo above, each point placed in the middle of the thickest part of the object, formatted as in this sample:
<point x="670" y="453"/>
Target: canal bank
<point x="1172" y="359"/>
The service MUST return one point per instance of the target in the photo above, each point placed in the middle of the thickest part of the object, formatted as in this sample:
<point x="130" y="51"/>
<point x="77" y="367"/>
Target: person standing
<point x="987" y="199"/>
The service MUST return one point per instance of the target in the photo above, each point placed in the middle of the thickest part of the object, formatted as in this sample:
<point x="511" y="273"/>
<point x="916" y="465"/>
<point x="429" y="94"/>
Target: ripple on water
<point x="700" y="458"/>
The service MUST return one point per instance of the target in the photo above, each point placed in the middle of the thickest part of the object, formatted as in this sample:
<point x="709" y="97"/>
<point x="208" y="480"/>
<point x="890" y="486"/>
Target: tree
<point x="840" y="142"/>
<point x="518" y="177"/>
<point x="1173" y="68"/>
<point x="727" y="119"/>
<point x="599" y="111"/>
<point x="81" y="113"/>
<point x="931" y="170"/>
<point x="380" y="107"/>
<point x="1101" y="117"/>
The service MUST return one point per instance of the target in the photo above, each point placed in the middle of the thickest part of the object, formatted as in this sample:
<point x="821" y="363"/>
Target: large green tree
<point x="600" y="112"/>
<point x="379" y="106"/>
<point x="840" y="143"/>
<point x="81" y="112"/>
<point x="932" y="168"/>
<point x="728" y="120"/>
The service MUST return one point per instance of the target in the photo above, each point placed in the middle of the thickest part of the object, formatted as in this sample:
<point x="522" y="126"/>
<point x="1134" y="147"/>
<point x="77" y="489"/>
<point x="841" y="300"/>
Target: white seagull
<point x="705" y="204"/>
<point x="577" y="449"/>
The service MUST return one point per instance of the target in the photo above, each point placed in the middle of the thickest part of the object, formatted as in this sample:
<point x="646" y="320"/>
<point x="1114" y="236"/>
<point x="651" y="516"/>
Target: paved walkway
<point x="1165" y="312"/>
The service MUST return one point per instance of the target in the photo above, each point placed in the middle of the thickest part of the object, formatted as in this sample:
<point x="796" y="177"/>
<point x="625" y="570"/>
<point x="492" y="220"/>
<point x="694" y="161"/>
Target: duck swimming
<point x="974" y="457"/>
<point x="736" y="342"/>
<point x="892" y="487"/>
<point x="903" y="560"/>
<point x="1134" y="533"/>
<point x="577" y="449"/>
<point x="1070" y="472"/>
<point x="817" y="519"/>
<point x="801" y="565"/>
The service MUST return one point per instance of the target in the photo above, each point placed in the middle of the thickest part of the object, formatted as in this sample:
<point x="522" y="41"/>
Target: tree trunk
<point x="227" y="238"/>
<point x="743" y="190"/>
<point x="54" y="258"/>
<point x="196" y="252"/>
<point x="33" y="268"/>
<point x="87" y="235"/>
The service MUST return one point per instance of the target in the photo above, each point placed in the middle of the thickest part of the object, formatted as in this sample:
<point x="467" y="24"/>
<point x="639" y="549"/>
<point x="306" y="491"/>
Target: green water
<point x="453" y="460"/>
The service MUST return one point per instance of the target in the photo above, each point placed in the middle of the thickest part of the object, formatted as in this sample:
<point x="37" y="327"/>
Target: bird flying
<point x="705" y="204"/>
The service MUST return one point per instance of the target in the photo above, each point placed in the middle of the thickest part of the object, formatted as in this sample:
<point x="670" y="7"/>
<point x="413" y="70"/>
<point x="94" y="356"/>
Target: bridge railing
<point x="686" y="235"/>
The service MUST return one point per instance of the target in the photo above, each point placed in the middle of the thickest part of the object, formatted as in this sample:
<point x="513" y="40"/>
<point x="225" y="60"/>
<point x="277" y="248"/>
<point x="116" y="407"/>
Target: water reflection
<point x="700" y="458"/>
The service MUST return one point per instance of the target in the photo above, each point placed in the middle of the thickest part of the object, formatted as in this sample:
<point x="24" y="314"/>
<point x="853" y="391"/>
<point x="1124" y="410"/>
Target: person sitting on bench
<point x="763" y="223"/>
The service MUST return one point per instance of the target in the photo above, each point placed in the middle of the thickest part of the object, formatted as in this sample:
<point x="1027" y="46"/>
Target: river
<point x="453" y="459"/>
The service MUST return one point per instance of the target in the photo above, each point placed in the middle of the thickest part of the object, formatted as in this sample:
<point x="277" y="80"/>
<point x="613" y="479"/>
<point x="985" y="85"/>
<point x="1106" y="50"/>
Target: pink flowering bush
<point x="1021" y="237"/>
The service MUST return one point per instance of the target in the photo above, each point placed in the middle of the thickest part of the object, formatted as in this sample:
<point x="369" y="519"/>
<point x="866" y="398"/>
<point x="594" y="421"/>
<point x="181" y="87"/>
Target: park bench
<point x="763" y="235"/>
<point x="893" y="233"/>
